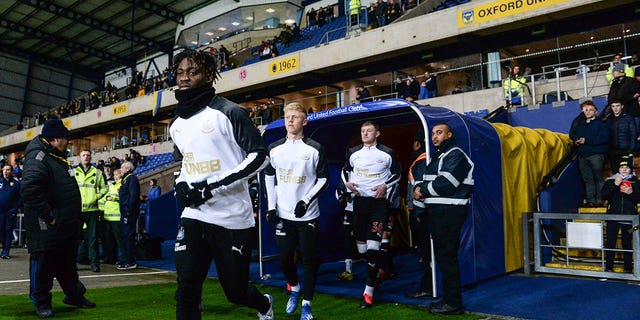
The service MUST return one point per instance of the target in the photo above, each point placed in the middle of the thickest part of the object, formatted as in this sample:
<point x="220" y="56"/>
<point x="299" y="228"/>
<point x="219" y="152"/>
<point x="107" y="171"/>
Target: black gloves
<point x="272" y="216"/>
<point x="196" y="196"/>
<point x="301" y="209"/>
<point x="187" y="196"/>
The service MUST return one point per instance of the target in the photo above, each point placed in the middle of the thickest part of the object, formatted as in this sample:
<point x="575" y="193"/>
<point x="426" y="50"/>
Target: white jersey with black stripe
<point x="220" y="143"/>
<point x="297" y="170"/>
<point x="371" y="166"/>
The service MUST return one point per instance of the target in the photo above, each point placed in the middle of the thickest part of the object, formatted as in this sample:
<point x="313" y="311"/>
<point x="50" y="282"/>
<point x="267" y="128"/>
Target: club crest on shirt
<point x="208" y="126"/>
<point x="180" y="235"/>
<point x="305" y="156"/>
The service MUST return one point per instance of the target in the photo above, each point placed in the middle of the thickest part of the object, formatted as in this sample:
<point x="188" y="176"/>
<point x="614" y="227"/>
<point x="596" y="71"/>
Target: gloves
<point x="272" y="216"/>
<point x="188" y="197"/>
<point x="301" y="209"/>
<point x="206" y="190"/>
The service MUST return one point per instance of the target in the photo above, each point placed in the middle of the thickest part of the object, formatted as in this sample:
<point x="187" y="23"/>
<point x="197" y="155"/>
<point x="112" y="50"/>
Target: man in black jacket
<point x="52" y="219"/>
<point x="445" y="192"/>
<point x="129" y="195"/>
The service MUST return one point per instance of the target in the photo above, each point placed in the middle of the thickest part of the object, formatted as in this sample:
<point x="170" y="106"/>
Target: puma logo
<point x="234" y="248"/>
<point x="312" y="225"/>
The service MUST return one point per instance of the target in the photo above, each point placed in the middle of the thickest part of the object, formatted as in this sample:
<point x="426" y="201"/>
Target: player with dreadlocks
<point x="221" y="150"/>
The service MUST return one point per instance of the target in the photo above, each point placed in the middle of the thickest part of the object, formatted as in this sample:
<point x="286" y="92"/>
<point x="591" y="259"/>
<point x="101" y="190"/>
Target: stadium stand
<point x="458" y="53"/>
<point x="153" y="163"/>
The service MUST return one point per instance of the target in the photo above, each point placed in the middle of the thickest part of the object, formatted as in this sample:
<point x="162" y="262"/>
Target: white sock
<point x="306" y="302"/>
<point x="295" y="288"/>
<point x="347" y="264"/>
<point x="369" y="290"/>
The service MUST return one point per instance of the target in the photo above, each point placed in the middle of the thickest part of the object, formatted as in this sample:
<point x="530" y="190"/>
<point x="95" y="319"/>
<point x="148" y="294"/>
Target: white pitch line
<point x="97" y="276"/>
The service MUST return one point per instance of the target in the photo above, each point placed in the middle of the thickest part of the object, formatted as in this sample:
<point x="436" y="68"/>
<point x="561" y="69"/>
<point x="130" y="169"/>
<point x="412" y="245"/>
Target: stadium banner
<point x="29" y="134"/>
<point x="119" y="109"/>
<point x="157" y="102"/>
<point x="499" y="9"/>
<point x="287" y="64"/>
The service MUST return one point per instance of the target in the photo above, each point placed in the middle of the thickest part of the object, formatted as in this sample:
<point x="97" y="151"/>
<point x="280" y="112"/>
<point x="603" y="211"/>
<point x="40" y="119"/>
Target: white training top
<point x="297" y="171"/>
<point x="371" y="166"/>
<point x="220" y="143"/>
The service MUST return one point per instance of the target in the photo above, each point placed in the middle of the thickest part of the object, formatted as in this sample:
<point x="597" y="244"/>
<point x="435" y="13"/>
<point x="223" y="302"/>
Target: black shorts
<point x="369" y="218"/>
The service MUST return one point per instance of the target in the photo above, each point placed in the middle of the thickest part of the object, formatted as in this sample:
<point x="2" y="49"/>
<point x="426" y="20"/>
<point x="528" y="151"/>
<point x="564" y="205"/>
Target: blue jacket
<point x="424" y="93"/>
<point x="10" y="199"/>
<point x="595" y="132"/>
<point x="154" y="192"/>
<point x="622" y="132"/>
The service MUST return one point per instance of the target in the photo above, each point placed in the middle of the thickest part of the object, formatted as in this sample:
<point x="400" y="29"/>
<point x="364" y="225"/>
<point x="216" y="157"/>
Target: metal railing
<point x="575" y="244"/>
<point x="325" y="37"/>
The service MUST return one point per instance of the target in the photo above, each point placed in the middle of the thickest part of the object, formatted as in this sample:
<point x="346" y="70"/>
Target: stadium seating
<point x="154" y="162"/>
<point x="309" y="38"/>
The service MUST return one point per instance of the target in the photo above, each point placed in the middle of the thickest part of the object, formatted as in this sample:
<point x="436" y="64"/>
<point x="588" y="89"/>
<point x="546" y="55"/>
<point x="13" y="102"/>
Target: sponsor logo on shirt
<point x="287" y="176"/>
<point x="364" y="173"/>
<point x="200" y="167"/>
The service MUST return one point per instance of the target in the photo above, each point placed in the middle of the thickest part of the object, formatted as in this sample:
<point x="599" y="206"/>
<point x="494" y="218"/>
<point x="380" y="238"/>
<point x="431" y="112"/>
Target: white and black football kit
<point x="220" y="145"/>
<point x="297" y="171"/>
<point x="368" y="167"/>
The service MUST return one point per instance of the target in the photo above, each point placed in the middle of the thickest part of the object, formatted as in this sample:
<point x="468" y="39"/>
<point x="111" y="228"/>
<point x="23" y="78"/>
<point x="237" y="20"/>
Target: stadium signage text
<point x="284" y="65"/>
<point x="500" y="9"/>
<point x="119" y="109"/>
<point x="336" y="111"/>
<point x="29" y="134"/>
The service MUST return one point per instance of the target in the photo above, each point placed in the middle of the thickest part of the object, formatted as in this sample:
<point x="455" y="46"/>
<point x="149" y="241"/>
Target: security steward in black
<point x="52" y="219"/>
<point x="447" y="186"/>
<point x="420" y="234"/>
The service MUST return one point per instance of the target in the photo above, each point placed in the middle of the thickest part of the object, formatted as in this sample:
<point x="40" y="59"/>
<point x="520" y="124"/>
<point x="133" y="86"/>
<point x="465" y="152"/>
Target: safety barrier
<point x="574" y="244"/>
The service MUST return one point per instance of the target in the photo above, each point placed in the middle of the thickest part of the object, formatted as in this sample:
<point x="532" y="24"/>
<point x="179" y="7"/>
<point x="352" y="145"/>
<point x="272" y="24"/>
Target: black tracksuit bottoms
<point x="196" y="245"/>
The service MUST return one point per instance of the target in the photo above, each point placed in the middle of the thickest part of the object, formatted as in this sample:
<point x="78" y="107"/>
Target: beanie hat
<point x="625" y="161"/>
<point x="54" y="128"/>
<point x="618" y="67"/>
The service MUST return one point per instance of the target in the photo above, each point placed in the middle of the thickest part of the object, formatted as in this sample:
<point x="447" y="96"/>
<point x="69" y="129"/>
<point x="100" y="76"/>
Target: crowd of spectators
<point x="381" y="13"/>
<point x="103" y="96"/>
<point x="133" y="156"/>
<point x="262" y="113"/>
<point x="289" y="34"/>
<point x="223" y="56"/>
<point x="320" y="17"/>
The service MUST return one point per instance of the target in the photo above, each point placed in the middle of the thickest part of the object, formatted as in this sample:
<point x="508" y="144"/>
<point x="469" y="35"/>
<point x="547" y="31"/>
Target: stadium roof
<point x="91" y="36"/>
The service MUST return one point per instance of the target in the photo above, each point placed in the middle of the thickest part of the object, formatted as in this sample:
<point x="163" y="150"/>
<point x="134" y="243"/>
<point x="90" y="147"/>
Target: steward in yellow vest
<point x="514" y="87"/>
<point x="110" y="204"/>
<point x="92" y="187"/>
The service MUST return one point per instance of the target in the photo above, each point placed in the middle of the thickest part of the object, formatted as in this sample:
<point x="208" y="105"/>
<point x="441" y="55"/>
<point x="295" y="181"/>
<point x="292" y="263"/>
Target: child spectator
<point x="623" y="192"/>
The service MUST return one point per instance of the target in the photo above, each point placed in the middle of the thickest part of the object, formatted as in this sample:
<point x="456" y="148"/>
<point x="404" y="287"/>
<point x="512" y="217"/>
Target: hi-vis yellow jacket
<point x="514" y="87"/>
<point x="110" y="203"/>
<point x="92" y="187"/>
